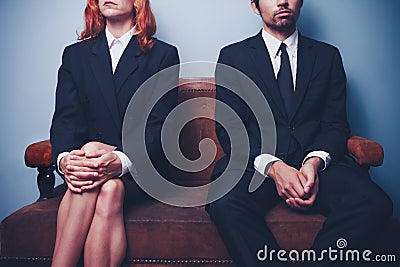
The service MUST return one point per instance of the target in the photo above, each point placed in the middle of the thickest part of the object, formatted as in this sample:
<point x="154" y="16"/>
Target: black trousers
<point x="355" y="207"/>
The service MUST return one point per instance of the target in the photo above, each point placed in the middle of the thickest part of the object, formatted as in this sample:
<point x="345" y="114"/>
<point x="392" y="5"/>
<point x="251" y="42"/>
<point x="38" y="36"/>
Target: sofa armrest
<point x="366" y="152"/>
<point x="38" y="155"/>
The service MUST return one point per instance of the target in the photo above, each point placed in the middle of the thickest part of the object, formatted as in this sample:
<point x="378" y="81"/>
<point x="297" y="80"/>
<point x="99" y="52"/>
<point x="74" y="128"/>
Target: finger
<point x="77" y="152"/>
<point x="313" y="196"/>
<point x="284" y="196"/>
<point x="290" y="189"/>
<point x="288" y="192"/>
<point x="297" y="188"/>
<point x="84" y="175"/>
<point x="90" y="163"/>
<point x="73" y="168"/>
<point x="79" y="184"/>
<point x="104" y="171"/>
<point x="83" y="162"/>
<point x="305" y="203"/>
<point x="303" y="179"/>
<point x="80" y="153"/>
<point x="294" y="192"/>
<point x="291" y="202"/>
<point x="283" y="193"/>
<point x="72" y="178"/>
<point x="67" y="178"/>
<point x="76" y="157"/>
<point x="307" y="173"/>
<point x="73" y="189"/>
<point x="108" y="158"/>
<point x="298" y="205"/>
<point x="95" y="153"/>
<point x="309" y="184"/>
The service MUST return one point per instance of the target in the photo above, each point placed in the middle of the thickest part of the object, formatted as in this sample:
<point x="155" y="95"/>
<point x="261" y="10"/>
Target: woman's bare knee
<point x="110" y="199"/>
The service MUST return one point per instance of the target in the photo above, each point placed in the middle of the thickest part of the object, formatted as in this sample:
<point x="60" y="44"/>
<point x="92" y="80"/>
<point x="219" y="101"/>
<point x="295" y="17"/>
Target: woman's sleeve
<point x="69" y="128"/>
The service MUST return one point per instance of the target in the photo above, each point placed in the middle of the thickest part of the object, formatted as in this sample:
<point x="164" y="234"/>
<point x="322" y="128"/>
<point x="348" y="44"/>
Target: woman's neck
<point x="118" y="28"/>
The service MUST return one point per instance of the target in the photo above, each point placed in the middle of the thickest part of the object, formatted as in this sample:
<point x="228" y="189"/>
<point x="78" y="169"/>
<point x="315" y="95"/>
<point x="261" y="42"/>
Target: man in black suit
<point x="304" y="82"/>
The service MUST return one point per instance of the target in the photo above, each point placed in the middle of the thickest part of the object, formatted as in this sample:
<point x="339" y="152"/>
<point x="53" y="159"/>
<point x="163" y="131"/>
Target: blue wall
<point x="34" y="35"/>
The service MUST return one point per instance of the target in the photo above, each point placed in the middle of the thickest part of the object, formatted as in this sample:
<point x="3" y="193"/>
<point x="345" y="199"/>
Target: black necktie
<point x="285" y="80"/>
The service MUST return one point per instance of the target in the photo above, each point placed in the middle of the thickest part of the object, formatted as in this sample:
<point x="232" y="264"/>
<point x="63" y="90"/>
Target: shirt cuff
<point x="127" y="165"/>
<point x="263" y="162"/>
<point x="59" y="157"/>
<point x="320" y="154"/>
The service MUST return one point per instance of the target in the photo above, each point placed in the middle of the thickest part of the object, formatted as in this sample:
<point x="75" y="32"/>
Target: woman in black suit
<point x="96" y="81"/>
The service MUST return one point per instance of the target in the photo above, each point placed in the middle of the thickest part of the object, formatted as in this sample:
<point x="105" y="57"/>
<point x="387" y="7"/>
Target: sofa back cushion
<point x="199" y="128"/>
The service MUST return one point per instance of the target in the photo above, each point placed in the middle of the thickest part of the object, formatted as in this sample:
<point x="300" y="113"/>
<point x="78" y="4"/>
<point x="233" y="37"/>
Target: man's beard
<point x="283" y="25"/>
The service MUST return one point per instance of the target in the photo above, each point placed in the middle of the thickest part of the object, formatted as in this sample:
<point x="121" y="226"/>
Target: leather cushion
<point x="155" y="230"/>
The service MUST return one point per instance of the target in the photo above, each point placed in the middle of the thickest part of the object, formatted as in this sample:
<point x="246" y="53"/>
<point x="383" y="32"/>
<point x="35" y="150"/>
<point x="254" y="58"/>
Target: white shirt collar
<point x="124" y="39"/>
<point x="273" y="44"/>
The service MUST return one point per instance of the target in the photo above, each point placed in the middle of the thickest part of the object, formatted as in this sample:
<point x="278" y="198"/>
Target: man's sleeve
<point x="334" y="128"/>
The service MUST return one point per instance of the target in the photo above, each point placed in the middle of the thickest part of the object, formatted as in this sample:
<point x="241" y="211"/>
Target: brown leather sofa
<point x="162" y="235"/>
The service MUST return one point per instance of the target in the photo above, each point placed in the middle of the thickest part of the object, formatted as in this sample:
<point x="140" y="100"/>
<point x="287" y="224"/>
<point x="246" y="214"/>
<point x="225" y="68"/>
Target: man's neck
<point x="118" y="28"/>
<point x="280" y="35"/>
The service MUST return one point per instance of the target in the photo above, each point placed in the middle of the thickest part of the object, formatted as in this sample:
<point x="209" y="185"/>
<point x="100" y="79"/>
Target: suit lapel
<point x="263" y="65"/>
<point x="305" y="63"/>
<point x="100" y="61"/>
<point x="128" y="63"/>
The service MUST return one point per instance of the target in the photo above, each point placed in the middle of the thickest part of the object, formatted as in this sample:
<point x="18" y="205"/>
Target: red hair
<point x="143" y="18"/>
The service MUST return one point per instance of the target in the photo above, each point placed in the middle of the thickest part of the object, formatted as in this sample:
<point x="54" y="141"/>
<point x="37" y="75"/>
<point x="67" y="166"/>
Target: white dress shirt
<point x="117" y="47"/>
<point x="273" y="44"/>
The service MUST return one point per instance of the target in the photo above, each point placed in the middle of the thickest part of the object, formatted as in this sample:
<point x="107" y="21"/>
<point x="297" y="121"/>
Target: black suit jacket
<point x="91" y="101"/>
<point x="319" y="121"/>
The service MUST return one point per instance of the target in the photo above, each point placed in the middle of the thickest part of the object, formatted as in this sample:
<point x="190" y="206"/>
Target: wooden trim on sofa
<point x="128" y="261"/>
